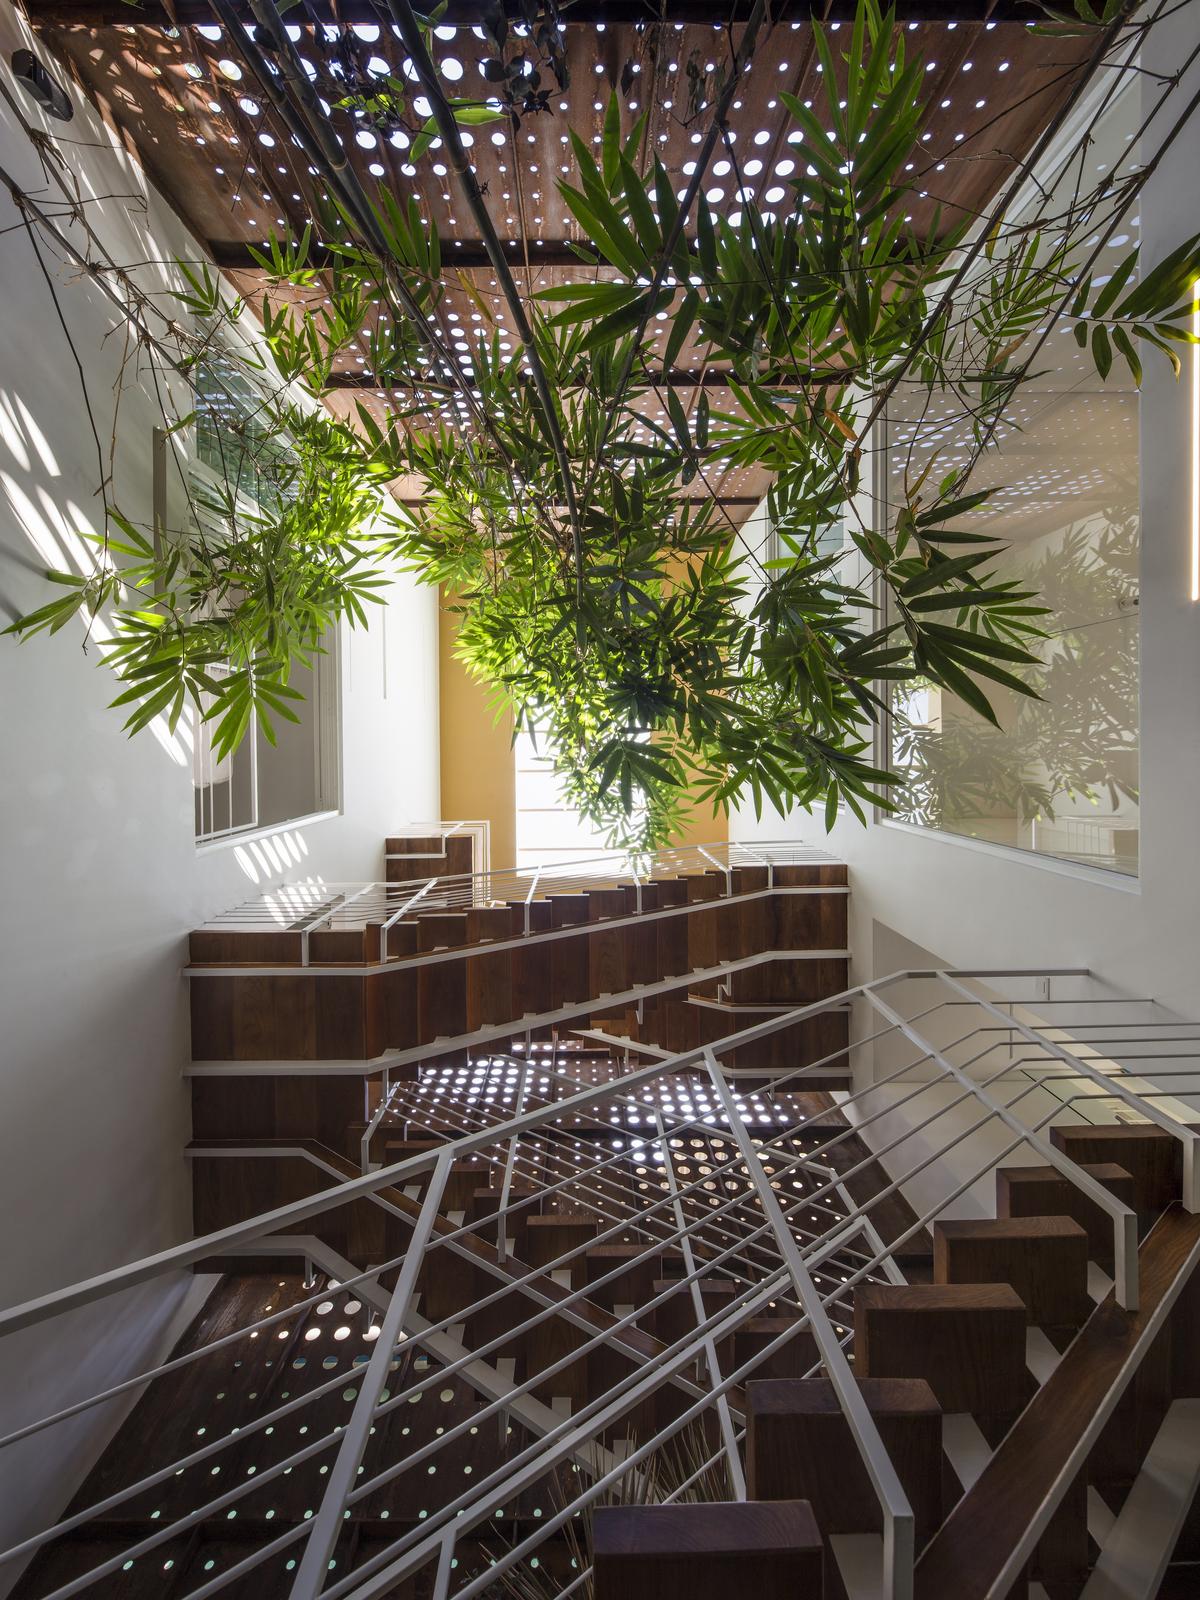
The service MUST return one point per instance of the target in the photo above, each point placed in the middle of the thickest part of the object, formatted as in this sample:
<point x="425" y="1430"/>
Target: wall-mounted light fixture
<point x="37" y="82"/>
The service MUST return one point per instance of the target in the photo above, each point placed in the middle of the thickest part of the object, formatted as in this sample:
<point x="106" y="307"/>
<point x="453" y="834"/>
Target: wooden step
<point x="1151" y="1156"/>
<point x="675" y="1318"/>
<point x="634" y="1284"/>
<point x="489" y="977"/>
<point x="1045" y="1259"/>
<point x="442" y="987"/>
<point x="569" y="956"/>
<point x="768" y="1549"/>
<point x="610" y="970"/>
<point x="796" y="1359"/>
<point x="552" y="1235"/>
<point x="968" y="1554"/>
<point x="966" y="1340"/>
<point x="799" y="1446"/>
<point x="671" y="932"/>
<point x="532" y="985"/>
<point x="1045" y="1192"/>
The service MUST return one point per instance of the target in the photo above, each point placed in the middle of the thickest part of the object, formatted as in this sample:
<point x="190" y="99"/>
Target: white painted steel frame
<point x="790" y="1263"/>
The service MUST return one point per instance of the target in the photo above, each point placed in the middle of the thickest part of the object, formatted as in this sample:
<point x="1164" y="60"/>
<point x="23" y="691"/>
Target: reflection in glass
<point x="1060" y="774"/>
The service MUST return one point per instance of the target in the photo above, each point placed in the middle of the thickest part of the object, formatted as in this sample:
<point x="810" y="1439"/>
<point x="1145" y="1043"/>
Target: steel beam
<point x="715" y="13"/>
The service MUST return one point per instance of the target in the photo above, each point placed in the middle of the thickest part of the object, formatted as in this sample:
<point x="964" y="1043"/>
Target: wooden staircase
<point x="981" y="1372"/>
<point x="984" y="1385"/>
<point x="434" y="979"/>
<point x="982" y="1382"/>
<point x="463" y="982"/>
<point x="615" y="1282"/>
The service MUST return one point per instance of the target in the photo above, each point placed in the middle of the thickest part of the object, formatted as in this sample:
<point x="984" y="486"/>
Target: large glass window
<point x="1060" y="774"/>
<point x="237" y="463"/>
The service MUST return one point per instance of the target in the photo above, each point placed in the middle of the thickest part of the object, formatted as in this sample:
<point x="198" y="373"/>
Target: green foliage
<point x="666" y="662"/>
<point x="1077" y="741"/>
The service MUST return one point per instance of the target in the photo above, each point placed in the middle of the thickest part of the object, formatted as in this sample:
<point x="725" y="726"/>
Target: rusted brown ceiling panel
<point x="113" y="13"/>
<point x="186" y="102"/>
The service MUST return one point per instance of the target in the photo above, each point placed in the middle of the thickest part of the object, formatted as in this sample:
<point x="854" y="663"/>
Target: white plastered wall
<point x="102" y="878"/>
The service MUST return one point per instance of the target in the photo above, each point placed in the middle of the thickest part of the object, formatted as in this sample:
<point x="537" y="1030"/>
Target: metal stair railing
<point x="307" y="906"/>
<point x="753" y="1192"/>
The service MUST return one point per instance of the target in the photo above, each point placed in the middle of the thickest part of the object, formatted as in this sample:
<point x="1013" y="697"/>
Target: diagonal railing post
<point x="386" y="927"/>
<point x="445" y="1566"/>
<point x="509" y="1164"/>
<point x="1188" y="1137"/>
<point x="537" y="876"/>
<point x="728" y="1434"/>
<point x="1124" y="1218"/>
<point x="719" y="866"/>
<point x="898" y="1539"/>
<point x="381" y="1110"/>
<point x="327" y="1524"/>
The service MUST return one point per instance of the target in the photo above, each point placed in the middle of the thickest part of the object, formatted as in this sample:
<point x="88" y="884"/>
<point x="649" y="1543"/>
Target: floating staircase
<point x="556" y="1315"/>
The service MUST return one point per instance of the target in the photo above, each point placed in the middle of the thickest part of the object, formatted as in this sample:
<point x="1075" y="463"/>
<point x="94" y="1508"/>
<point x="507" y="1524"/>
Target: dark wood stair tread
<point x="705" y="1552"/>
<point x="1153" y="1156"/>
<point x="1045" y="1259"/>
<point x="967" y="1554"/>
<point x="966" y="1340"/>
<point x="1037" y="1191"/>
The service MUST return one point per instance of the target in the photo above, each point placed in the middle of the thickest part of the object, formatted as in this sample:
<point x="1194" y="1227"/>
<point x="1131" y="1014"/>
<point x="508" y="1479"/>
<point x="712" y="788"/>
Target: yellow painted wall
<point x="478" y="776"/>
<point x="703" y="828"/>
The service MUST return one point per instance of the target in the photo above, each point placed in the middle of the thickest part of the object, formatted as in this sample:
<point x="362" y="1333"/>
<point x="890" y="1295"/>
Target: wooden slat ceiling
<point x="184" y="100"/>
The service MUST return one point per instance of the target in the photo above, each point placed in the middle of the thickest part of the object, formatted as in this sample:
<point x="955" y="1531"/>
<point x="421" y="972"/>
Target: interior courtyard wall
<point x="102" y="876"/>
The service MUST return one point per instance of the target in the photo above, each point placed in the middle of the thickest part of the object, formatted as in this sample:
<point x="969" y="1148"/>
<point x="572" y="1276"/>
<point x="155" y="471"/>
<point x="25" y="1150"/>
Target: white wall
<point x="982" y="906"/>
<point x="102" y="879"/>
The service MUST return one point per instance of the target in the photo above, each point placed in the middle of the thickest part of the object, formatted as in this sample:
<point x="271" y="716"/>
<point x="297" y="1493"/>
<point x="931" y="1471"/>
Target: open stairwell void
<point x="599" y="1239"/>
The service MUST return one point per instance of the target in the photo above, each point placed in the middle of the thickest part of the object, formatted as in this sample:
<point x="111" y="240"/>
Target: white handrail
<point x="898" y="1537"/>
<point x="760" y="1237"/>
<point x="299" y="901"/>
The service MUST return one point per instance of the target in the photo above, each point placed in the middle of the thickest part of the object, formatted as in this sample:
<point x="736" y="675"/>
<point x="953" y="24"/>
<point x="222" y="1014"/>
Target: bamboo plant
<point x="604" y="594"/>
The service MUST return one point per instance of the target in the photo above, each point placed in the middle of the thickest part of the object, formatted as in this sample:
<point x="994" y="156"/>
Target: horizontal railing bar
<point x="574" y="1176"/>
<point x="691" y="1341"/>
<point x="508" y="1482"/>
<point x="1051" y="1064"/>
<point x="191" y="1518"/>
<point x="526" y="1283"/>
<point x="1187" y="1137"/>
<point x="301" y="1210"/>
<point x="1123" y="1218"/>
<point x="660" y="862"/>
<point x="203" y="1453"/>
<point x="546" y="1529"/>
<point x="491" y="947"/>
<point x="618" y="1090"/>
<point x="296" y="1211"/>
